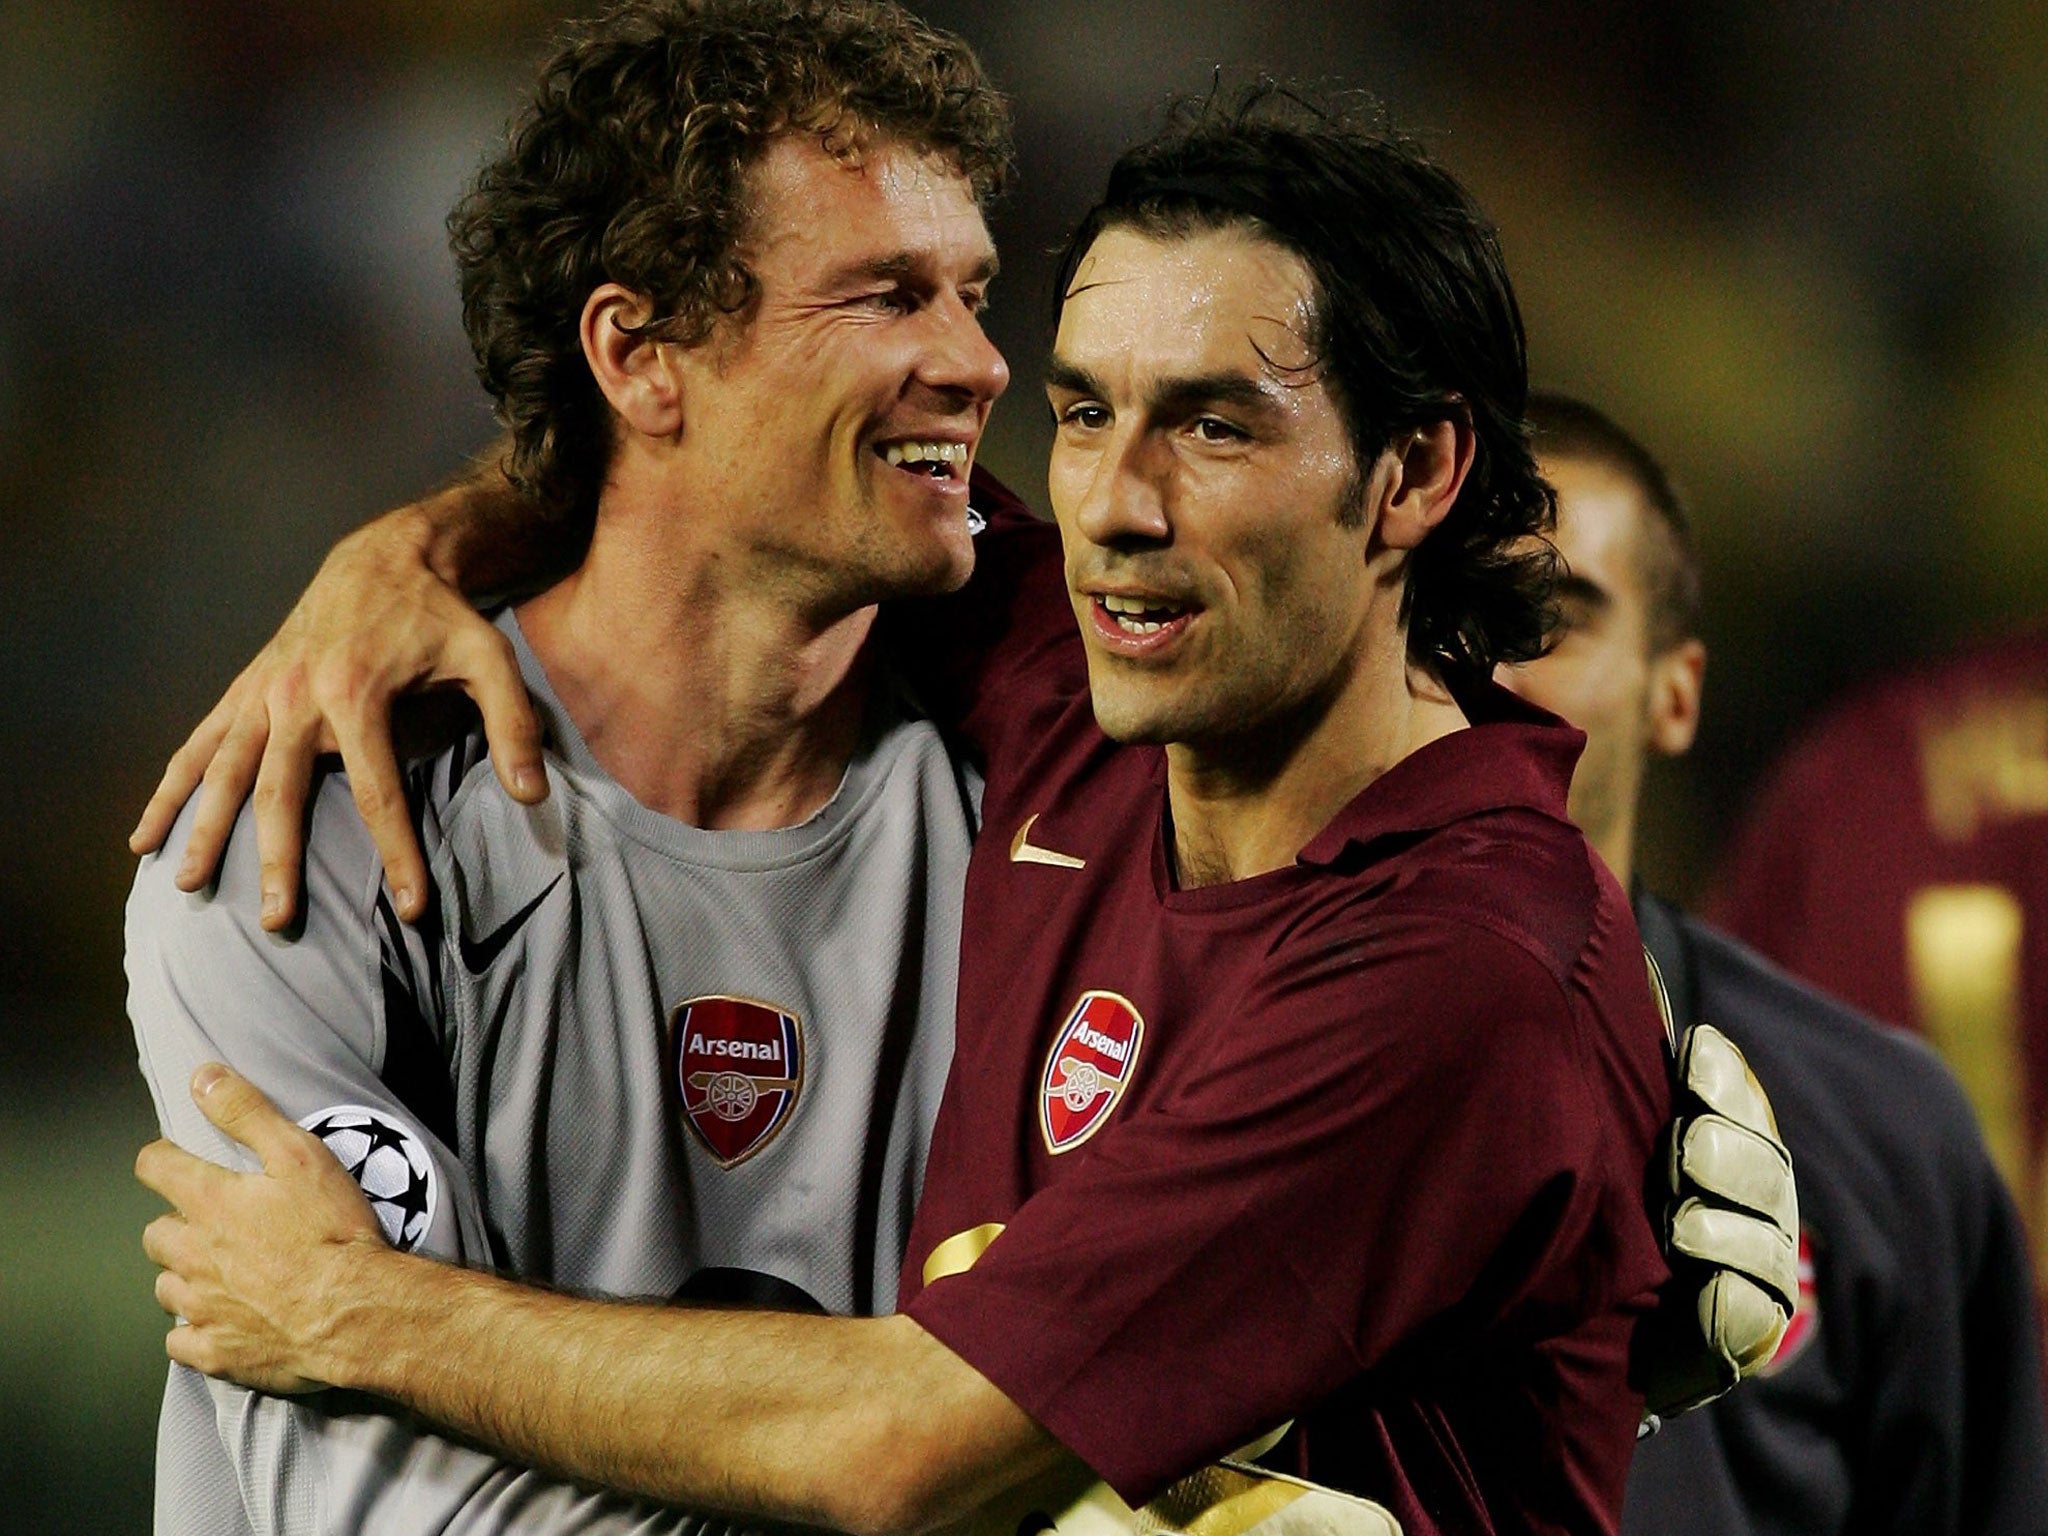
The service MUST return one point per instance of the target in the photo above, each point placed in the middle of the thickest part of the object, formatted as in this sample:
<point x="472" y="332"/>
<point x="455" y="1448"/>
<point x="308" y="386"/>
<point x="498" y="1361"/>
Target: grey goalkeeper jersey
<point x="625" y="1056"/>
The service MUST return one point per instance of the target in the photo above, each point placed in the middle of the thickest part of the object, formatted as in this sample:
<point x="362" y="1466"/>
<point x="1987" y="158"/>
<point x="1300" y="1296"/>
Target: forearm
<point x="858" y="1424"/>
<point x="484" y="536"/>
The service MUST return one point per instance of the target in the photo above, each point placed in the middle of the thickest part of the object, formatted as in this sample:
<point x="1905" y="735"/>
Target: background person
<point x="1903" y="1396"/>
<point x="1898" y="857"/>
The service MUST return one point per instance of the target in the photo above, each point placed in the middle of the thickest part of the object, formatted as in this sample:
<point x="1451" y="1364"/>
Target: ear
<point x="1671" y="703"/>
<point x="1425" y="468"/>
<point x="637" y="374"/>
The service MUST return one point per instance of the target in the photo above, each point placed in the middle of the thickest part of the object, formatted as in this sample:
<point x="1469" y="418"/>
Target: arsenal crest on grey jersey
<point x="1088" y="1068"/>
<point x="739" y="1066"/>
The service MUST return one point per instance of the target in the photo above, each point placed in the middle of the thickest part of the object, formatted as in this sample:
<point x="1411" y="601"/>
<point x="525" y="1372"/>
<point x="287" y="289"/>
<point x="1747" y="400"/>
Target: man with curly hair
<point x="1308" y="1069"/>
<point x="724" y="283"/>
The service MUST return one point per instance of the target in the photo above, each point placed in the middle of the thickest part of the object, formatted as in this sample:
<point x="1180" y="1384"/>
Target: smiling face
<point x="833" y="427"/>
<point x="1206" y="489"/>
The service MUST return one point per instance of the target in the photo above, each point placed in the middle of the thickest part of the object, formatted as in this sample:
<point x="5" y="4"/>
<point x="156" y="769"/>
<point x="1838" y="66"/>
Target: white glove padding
<point x="1731" y="1233"/>
<point x="1227" y="1498"/>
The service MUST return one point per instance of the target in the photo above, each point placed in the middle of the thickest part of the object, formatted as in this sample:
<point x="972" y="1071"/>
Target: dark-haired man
<point x="1903" y="1397"/>
<point x="1308" y="1069"/>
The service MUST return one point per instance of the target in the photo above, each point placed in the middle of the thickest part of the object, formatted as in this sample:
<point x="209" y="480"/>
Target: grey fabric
<point x="562" y="1153"/>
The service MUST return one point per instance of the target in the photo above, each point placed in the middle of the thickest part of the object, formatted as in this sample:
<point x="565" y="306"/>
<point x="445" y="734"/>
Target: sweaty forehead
<point x="884" y="198"/>
<point x="1215" y="299"/>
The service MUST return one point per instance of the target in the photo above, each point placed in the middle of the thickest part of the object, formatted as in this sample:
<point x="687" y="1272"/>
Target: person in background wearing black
<point x="1904" y="1396"/>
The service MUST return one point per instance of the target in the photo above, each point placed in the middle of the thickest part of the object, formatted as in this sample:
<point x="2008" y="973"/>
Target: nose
<point x="1112" y="492"/>
<point x="961" y="360"/>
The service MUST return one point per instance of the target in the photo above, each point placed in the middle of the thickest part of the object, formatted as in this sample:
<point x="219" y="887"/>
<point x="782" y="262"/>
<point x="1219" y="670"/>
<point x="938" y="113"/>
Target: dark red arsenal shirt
<point x="1360" y="1142"/>
<point x="1898" y="857"/>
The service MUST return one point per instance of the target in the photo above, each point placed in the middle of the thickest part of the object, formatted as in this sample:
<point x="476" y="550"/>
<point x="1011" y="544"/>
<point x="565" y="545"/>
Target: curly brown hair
<point x="631" y="165"/>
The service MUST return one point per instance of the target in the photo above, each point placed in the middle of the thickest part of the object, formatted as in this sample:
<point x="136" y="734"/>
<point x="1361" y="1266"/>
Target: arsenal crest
<point x="1805" y="1317"/>
<point x="739" y="1066"/>
<point x="1088" y="1069"/>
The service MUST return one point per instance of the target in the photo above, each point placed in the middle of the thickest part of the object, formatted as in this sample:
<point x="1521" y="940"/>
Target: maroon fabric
<point x="1378" y="1160"/>
<point x="1934" y="779"/>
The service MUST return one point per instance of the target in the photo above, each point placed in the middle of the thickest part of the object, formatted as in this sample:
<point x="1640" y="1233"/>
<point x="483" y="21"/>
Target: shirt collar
<point x="1512" y="755"/>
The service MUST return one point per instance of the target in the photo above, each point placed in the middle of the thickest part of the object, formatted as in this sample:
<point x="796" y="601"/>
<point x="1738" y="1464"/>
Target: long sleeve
<point x="336" y="1023"/>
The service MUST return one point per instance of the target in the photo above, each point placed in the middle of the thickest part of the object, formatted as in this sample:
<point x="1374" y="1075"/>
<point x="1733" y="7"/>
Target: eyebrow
<point x="1589" y="594"/>
<point x="1176" y="390"/>
<point x="901" y="266"/>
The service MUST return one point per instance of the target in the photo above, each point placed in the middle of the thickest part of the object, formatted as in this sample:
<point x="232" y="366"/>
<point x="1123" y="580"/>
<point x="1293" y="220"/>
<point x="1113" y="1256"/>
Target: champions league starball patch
<point x="739" y="1066"/>
<point x="389" y="1162"/>
<point x="1088" y="1068"/>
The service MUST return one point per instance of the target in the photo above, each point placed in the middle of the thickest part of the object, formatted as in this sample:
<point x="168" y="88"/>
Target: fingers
<point x="363" y="732"/>
<point x="185" y="1182"/>
<point x="1742" y="1320"/>
<point x="1715" y="1070"/>
<point x="1734" y="1163"/>
<point x="172" y="1294"/>
<point x="164" y="1241"/>
<point x="482" y="658"/>
<point x="1734" y="1240"/>
<point x="376" y="622"/>
<point x="183" y="1343"/>
<point x="238" y="1108"/>
<point x="222" y="790"/>
<point x="282" y="785"/>
<point x="181" y="776"/>
<point x="202" y="1349"/>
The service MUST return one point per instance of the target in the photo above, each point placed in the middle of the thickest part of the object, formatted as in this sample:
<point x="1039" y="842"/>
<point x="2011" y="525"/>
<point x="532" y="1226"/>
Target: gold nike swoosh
<point x="1024" y="851"/>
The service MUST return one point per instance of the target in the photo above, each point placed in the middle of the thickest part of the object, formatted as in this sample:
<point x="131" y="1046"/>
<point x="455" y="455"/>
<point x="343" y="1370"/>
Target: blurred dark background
<point x="1801" y="248"/>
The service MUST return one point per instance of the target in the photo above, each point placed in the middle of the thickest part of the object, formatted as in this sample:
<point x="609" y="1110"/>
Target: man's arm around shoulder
<point x="868" y="1425"/>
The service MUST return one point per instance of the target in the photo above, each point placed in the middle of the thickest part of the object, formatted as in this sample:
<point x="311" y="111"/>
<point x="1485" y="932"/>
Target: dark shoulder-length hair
<point x="1415" y="322"/>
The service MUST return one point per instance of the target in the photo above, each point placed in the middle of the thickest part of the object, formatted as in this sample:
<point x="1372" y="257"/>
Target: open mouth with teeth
<point x="1139" y="615"/>
<point x="934" y="461"/>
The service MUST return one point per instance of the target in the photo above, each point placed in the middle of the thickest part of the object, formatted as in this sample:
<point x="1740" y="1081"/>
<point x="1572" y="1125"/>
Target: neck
<point x="1249" y="804"/>
<point x="1617" y="847"/>
<point x="708" y="695"/>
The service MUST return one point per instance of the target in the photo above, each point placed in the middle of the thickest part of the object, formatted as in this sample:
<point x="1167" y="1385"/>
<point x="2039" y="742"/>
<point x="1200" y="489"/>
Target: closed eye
<point x="888" y="301"/>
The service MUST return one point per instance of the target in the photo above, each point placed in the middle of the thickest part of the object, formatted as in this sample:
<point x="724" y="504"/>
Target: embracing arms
<point x="387" y="614"/>
<point x="338" y="1024"/>
<point x="282" y="1278"/>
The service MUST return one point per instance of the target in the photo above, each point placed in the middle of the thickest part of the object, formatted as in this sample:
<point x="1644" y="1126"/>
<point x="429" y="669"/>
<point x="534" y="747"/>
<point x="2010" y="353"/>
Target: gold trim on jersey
<point x="1231" y="1497"/>
<point x="956" y="1255"/>
<point x="1226" y="1498"/>
<point x="1024" y="851"/>
<point x="1661" y="995"/>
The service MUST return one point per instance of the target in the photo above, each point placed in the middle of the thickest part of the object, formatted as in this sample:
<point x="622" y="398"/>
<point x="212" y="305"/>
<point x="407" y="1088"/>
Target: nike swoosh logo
<point x="1024" y="851"/>
<point x="477" y="954"/>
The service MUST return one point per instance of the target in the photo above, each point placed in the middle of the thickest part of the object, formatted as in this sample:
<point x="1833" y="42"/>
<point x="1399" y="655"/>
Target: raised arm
<point x="386" y="614"/>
